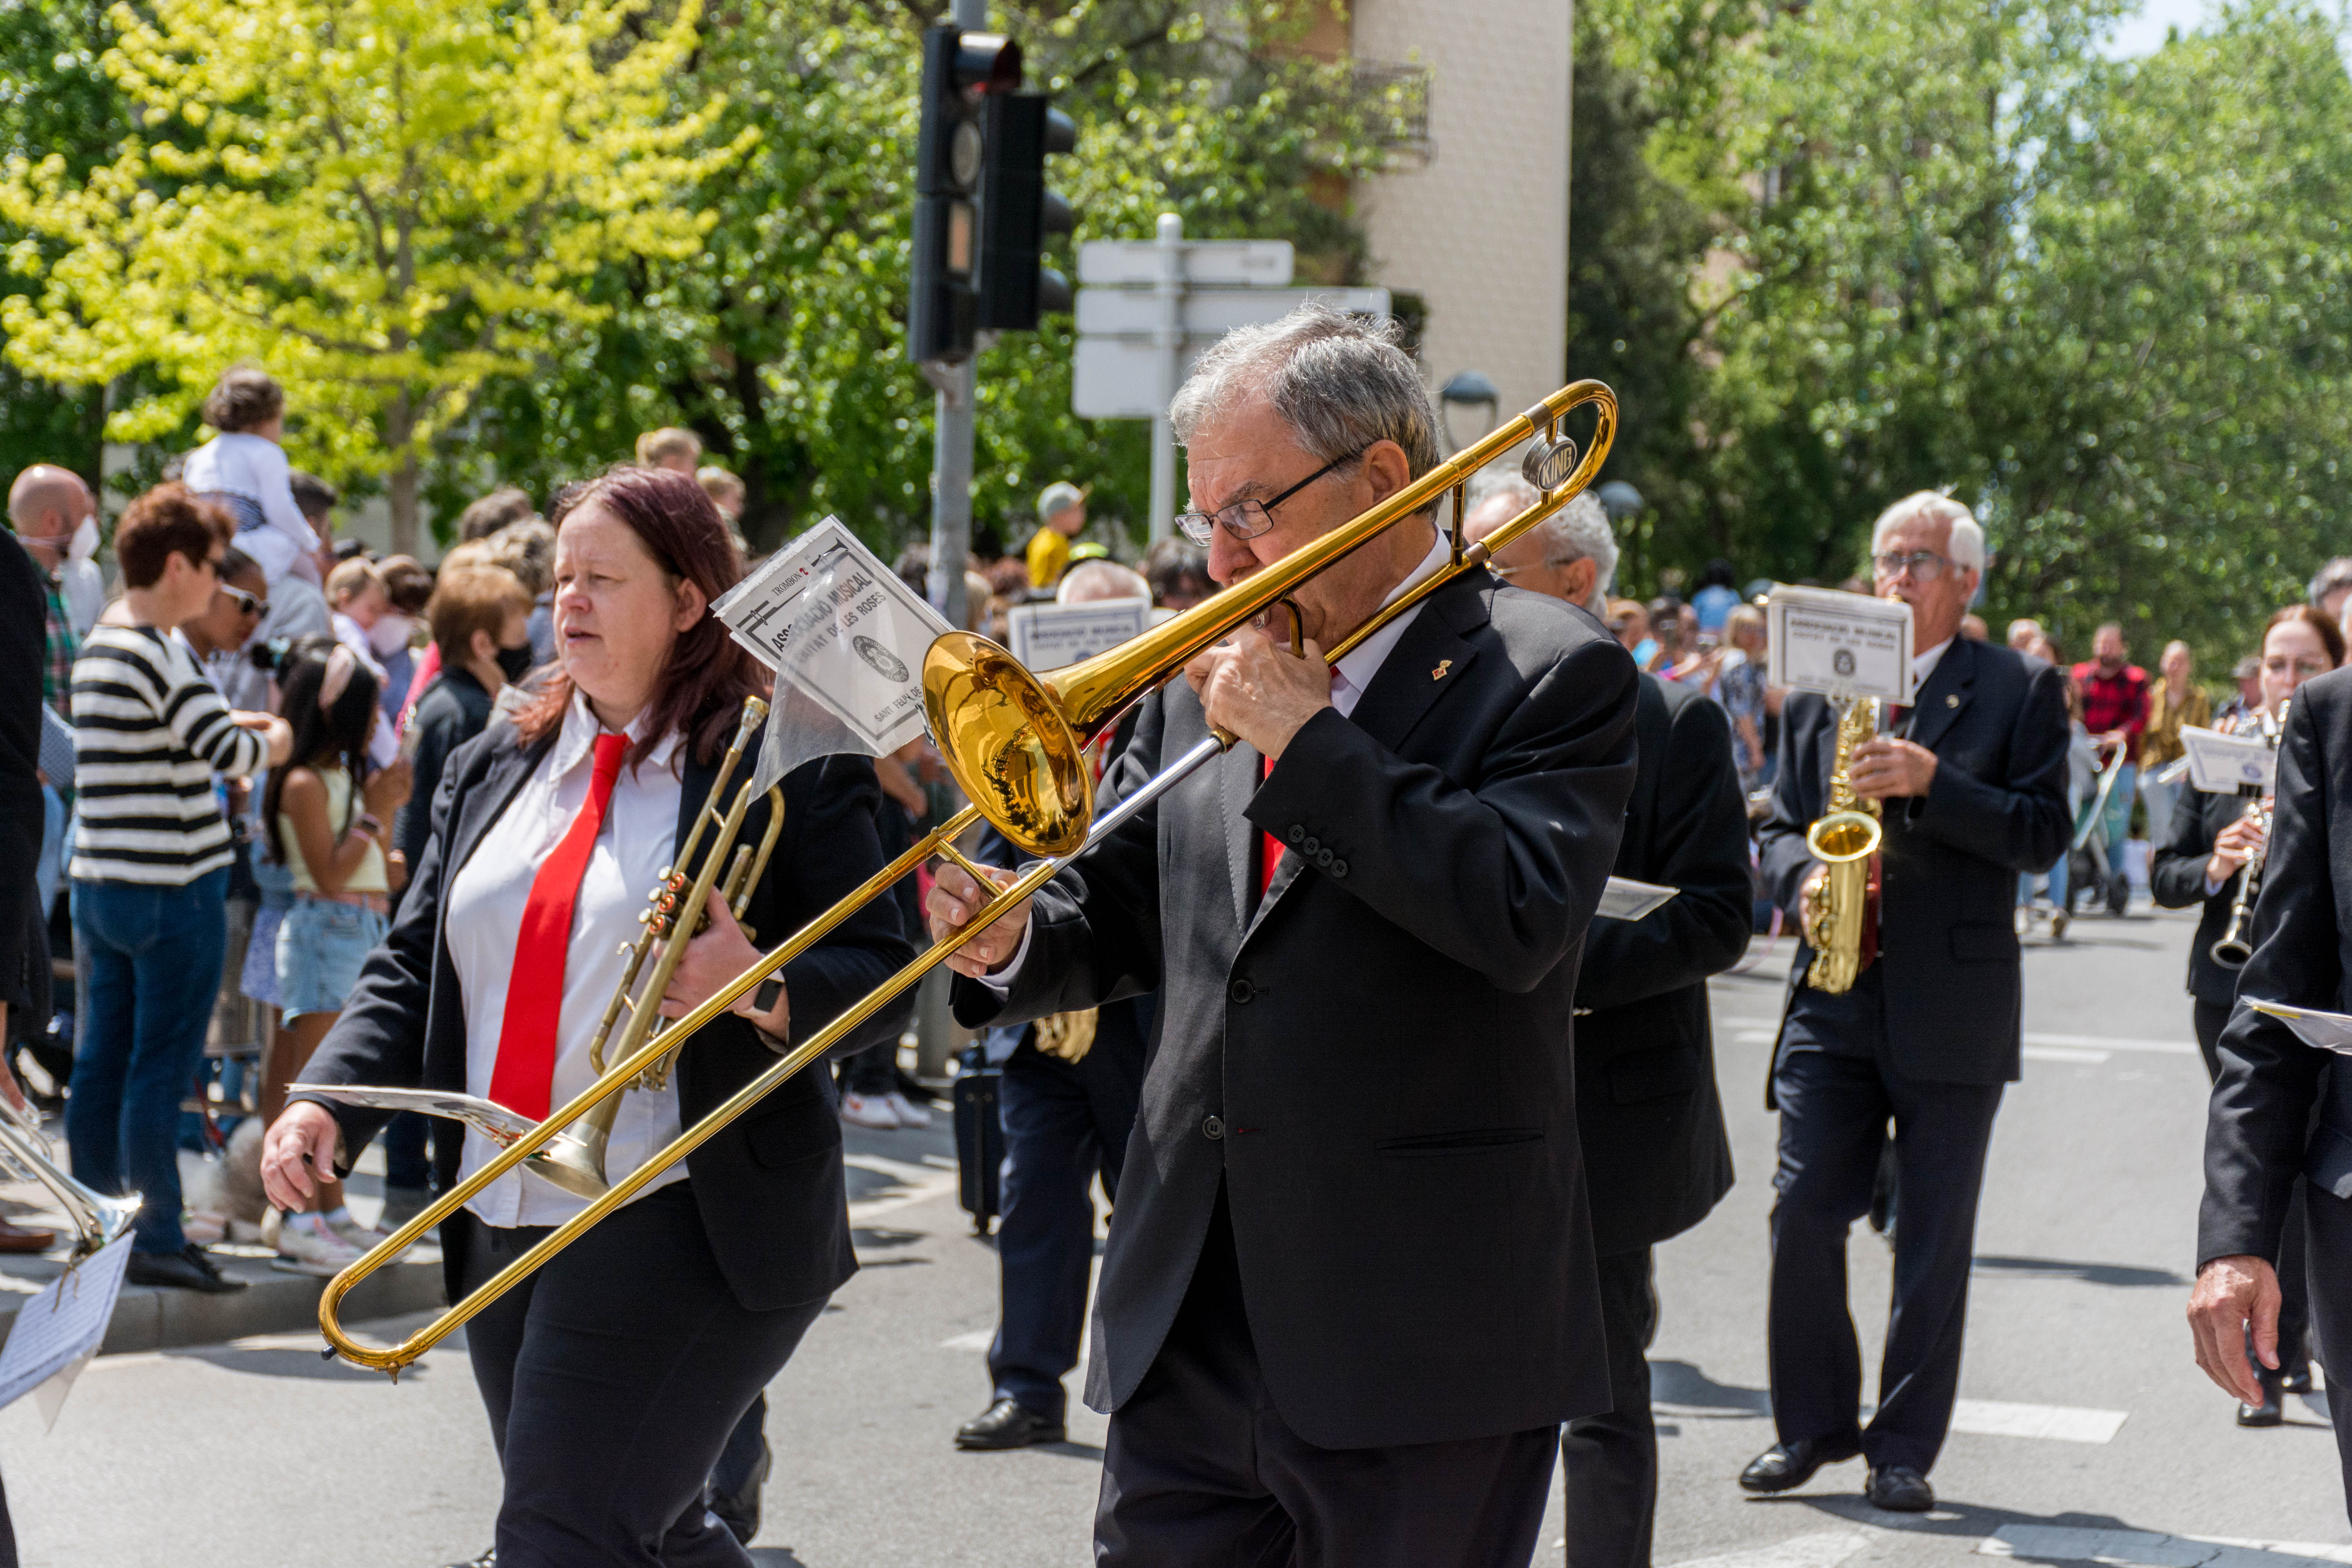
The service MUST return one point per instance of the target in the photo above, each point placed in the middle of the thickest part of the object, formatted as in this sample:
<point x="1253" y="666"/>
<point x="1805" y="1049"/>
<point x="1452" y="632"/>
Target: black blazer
<point x="1376" y="1065"/>
<point x="2176" y="879"/>
<point x="1947" y="945"/>
<point x="770" y="1186"/>
<point x="2280" y="1107"/>
<point x="23" y="638"/>
<point x="1646" y="1104"/>
<point x="451" y="712"/>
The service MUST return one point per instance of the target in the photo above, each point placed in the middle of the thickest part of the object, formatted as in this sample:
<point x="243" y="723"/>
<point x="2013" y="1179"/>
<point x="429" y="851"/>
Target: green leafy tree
<point x="383" y="202"/>
<point x="781" y="340"/>
<point x="1954" y="245"/>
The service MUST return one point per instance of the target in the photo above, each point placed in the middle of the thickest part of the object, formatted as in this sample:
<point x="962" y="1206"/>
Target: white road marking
<point x="978" y="1340"/>
<point x="1753" y="1031"/>
<point x="919" y="1184"/>
<point x="1826" y="1549"/>
<point x="2061" y="1423"/>
<point x="2145" y="1549"/>
<point x="2065" y="1054"/>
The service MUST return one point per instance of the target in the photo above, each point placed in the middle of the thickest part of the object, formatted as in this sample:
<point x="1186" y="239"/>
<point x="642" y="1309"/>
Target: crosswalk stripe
<point x="2060" y="1422"/>
<point x="1825" y="1549"/>
<point x="1754" y="1031"/>
<point x="2146" y="1549"/>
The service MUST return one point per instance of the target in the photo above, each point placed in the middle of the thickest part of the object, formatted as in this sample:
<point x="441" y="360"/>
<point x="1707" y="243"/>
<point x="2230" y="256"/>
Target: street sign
<point x="1211" y="313"/>
<point x="1120" y="378"/>
<point x="1253" y="263"/>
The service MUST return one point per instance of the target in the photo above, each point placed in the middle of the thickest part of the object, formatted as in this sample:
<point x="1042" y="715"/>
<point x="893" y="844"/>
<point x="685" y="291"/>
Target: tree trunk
<point x="399" y="426"/>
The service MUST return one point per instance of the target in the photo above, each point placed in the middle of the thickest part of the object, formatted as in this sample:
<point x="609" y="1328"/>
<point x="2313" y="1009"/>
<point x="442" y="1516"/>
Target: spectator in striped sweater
<point x="150" y="869"/>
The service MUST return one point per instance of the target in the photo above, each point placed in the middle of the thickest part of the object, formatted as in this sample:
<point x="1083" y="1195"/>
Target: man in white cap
<point x="1061" y="517"/>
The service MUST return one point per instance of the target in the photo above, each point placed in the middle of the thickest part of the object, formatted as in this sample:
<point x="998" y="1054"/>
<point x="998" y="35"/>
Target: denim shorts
<point x="319" y="949"/>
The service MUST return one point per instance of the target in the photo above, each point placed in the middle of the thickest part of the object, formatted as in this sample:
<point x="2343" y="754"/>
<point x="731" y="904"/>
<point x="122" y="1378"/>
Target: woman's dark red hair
<point x="2322" y="624"/>
<point x="701" y="692"/>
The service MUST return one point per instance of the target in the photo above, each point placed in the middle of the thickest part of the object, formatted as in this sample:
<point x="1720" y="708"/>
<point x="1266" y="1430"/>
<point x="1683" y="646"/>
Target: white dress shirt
<point x="486" y="905"/>
<point x="242" y="464"/>
<point x="1349" y="677"/>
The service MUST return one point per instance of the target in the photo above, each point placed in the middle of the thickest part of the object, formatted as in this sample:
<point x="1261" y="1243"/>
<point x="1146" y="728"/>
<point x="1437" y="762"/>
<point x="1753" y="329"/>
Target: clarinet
<point x="2235" y="945"/>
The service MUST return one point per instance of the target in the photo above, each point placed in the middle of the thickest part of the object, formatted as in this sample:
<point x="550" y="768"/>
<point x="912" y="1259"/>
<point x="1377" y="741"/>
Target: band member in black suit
<point x="1067" y="1100"/>
<point x="613" y="1377"/>
<point x="1647" y="1111"/>
<point x="1349" y="1293"/>
<point x="2203" y="860"/>
<point x="1972" y="784"/>
<point x="2281" y="1116"/>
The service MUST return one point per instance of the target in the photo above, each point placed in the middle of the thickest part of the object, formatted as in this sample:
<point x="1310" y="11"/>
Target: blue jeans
<point x="2055" y="877"/>
<point x="48" y="873"/>
<point x="154" y="957"/>
<point x="2117" y="816"/>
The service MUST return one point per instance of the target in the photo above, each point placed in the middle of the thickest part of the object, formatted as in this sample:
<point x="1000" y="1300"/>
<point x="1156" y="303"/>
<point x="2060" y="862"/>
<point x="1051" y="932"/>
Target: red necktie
<point x="1269" y="852"/>
<point x="524" y="1077"/>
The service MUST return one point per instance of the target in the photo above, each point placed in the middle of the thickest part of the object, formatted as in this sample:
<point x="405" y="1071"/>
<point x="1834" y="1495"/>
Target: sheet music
<point x="58" y="1331"/>
<point x="488" y="1115"/>
<point x="2328" y="1031"/>
<point x="1624" y="899"/>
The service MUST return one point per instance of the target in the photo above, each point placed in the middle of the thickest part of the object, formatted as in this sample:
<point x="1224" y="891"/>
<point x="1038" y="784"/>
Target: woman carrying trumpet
<point x="2200" y="861"/>
<point x="612" y="1378"/>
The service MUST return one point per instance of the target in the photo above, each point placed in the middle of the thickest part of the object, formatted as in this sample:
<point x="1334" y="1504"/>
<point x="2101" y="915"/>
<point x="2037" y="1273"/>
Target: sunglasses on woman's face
<point x="246" y="603"/>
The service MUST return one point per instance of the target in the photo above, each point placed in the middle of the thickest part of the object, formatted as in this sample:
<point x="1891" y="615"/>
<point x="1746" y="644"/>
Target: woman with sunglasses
<point x="149" y="869"/>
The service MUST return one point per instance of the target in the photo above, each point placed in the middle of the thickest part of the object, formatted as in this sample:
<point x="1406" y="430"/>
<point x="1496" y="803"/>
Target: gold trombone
<point x="1014" y="741"/>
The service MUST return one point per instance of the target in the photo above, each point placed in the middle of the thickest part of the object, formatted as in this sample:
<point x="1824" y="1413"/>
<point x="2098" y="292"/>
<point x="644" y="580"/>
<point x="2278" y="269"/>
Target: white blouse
<point x="485" y="903"/>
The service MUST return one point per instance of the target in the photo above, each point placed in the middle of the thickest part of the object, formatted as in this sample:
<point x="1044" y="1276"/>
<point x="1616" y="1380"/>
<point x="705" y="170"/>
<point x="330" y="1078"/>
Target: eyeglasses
<point x="1925" y="565"/>
<point x="1248" y="518"/>
<point x="246" y="603"/>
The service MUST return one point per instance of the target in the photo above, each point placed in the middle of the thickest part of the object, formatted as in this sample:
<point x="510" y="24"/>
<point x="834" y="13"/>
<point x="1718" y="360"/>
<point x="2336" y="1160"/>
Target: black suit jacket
<point x="1377" y="1064"/>
<point x="24" y="635"/>
<point x="2280" y="1107"/>
<point x="1947" y="945"/>
<point x="2176" y="879"/>
<point x="1647" y="1108"/>
<point x="770" y="1186"/>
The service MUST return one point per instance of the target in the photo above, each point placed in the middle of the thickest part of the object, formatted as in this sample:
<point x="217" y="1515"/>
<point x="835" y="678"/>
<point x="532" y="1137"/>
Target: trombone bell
<point x="1003" y="733"/>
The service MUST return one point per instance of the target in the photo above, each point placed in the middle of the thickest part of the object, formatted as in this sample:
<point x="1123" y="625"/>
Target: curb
<point x="157" y="1318"/>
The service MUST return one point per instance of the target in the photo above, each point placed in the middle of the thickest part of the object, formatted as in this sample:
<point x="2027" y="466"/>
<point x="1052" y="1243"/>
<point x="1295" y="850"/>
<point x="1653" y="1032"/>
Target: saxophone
<point x="1844" y="839"/>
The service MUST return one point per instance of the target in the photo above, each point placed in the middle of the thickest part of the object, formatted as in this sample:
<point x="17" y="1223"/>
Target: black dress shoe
<point x="2294" y="1377"/>
<point x="1899" y="1489"/>
<point x="2269" y="1412"/>
<point x="186" y="1269"/>
<point x="1785" y="1465"/>
<point x="1008" y="1424"/>
<point x="739" y="1510"/>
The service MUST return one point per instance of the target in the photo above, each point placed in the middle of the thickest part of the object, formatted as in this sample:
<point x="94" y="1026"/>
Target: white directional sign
<point x="1252" y="263"/>
<point x="1151" y="306"/>
<point x="1211" y="312"/>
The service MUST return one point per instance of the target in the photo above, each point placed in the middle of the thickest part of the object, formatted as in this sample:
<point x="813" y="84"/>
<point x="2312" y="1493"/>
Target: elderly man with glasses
<point x="1350" y="1289"/>
<point x="1972" y="782"/>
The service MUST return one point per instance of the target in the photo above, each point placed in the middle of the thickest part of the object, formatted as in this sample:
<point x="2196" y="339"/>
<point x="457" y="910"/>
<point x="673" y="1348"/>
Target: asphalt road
<point x="2090" y="1435"/>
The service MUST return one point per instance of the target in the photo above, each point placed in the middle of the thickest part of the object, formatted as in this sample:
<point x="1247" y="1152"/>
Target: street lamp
<point x="1472" y="387"/>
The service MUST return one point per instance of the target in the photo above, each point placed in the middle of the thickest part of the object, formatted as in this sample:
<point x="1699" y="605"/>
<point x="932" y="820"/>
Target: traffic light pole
<point x="951" y="442"/>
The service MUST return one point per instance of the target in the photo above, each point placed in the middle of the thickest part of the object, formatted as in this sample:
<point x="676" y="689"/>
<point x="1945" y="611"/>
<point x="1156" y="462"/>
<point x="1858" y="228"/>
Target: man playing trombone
<point x="1349" y="1291"/>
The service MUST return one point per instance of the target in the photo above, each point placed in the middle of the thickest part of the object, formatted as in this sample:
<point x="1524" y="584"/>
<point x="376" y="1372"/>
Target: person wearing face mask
<point x="2199" y="862"/>
<point x="56" y="522"/>
<point x="360" y="603"/>
<point x="479" y="615"/>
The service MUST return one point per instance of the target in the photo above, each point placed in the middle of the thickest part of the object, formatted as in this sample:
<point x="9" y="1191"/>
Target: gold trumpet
<point x="1015" y="742"/>
<point x="1843" y="839"/>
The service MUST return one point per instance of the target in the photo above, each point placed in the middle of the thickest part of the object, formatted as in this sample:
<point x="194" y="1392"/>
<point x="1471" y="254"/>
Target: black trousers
<point x="1610" y="1463"/>
<point x="2327" y="1231"/>
<point x="612" y="1379"/>
<point x="1201" y="1470"/>
<point x="1833" y="1112"/>
<point x="1062" y="1121"/>
<point x="2294" y="1271"/>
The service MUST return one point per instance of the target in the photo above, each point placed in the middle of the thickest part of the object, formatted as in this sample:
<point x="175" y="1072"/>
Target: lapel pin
<point x="1443" y="665"/>
<point x="1951" y="700"/>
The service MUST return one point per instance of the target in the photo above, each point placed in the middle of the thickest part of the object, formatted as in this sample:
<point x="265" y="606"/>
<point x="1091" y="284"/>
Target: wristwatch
<point x="770" y="991"/>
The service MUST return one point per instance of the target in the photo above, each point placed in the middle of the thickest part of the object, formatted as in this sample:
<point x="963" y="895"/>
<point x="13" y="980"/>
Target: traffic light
<point x="1017" y="212"/>
<point x="962" y="74"/>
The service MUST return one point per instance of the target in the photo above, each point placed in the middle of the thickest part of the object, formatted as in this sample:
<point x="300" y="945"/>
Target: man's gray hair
<point x="2335" y="574"/>
<point x="1339" y="382"/>
<point x="1966" y="548"/>
<point x="1577" y="531"/>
